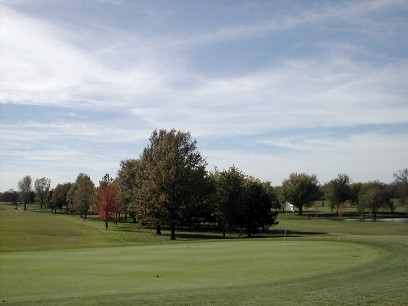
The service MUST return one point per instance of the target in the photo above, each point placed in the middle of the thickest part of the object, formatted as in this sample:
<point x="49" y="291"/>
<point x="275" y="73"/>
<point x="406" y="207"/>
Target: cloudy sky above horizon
<point x="272" y="87"/>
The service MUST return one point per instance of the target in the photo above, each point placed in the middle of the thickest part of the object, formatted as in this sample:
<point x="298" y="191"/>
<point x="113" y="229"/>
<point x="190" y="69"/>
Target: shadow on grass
<point x="281" y="232"/>
<point x="275" y="233"/>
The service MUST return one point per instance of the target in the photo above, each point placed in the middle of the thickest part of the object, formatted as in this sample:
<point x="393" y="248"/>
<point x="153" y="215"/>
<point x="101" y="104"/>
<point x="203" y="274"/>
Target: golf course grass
<point x="51" y="259"/>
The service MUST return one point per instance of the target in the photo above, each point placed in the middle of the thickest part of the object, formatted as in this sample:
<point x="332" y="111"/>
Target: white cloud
<point x="364" y="157"/>
<point x="40" y="67"/>
<point x="149" y="80"/>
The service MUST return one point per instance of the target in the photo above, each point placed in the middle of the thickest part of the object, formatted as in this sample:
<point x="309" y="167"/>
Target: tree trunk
<point x="106" y="224"/>
<point x="249" y="233"/>
<point x="173" y="230"/>
<point x="300" y="210"/>
<point x="158" y="230"/>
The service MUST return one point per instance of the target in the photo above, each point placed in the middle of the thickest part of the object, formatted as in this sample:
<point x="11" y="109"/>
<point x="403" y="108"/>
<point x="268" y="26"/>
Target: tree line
<point x="169" y="185"/>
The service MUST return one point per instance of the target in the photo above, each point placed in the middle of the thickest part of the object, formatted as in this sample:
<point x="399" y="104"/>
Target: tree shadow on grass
<point x="281" y="232"/>
<point x="278" y="233"/>
<point x="198" y="236"/>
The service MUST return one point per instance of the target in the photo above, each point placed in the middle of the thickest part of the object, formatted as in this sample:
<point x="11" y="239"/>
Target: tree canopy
<point x="25" y="187"/>
<point x="42" y="187"/>
<point x="301" y="189"/>
<point x="338" y="191"/>
<point x="84" y="195"/>
<point x="401" y="180"/>
<point x="373" y="196"/>
<point x="107" y="198"/>
<point x="170" y="176"/>
<point x="243" y="201"/>
<point x="127" y="185"/>
<point x="59" y="196"/>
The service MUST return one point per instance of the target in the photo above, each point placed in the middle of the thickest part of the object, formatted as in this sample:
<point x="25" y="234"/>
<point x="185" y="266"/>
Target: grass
<point x="34" y="230"/>
<point x="50" y="259"/>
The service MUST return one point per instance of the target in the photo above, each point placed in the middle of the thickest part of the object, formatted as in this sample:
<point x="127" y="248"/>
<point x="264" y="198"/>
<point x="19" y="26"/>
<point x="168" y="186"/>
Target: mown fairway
<point x="59" y="260"/>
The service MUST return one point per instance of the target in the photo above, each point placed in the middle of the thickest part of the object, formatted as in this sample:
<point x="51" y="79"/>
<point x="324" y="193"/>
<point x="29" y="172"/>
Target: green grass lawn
<point x="48" y="259"/>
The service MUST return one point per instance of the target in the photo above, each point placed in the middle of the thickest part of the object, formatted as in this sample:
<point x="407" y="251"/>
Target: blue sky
<point x="272" y="87"/>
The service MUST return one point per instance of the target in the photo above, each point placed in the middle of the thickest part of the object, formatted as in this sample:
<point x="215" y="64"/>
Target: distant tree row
<point x="26" y="194"/>
<point x="169" y="185"/>
<point x="370" y="196"/>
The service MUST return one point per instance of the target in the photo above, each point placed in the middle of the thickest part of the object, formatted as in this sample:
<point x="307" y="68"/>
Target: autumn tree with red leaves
<point x="107" y="199"/>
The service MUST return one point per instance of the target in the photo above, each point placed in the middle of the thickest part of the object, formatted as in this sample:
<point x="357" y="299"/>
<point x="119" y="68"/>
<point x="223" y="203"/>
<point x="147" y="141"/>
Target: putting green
<point x="31" y="276"/>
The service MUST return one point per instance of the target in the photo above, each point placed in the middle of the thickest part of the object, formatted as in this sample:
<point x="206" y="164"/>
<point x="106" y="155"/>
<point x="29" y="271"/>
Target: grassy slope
<point x="367" y="265"/>
<point x="34" y="230"/>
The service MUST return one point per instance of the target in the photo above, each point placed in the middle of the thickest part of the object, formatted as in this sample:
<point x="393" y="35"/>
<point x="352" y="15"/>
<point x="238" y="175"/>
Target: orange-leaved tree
<point x="107" y="199"/>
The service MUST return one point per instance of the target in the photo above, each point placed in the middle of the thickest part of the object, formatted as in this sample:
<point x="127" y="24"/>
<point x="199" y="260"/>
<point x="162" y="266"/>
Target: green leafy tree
<point x="280" y="197"/>
<point x="59" y="196"/>
<point x="338" y="191"/>
<point x="373" y="196"/>
<point x="126" y="185"/>
<point x="258" y="201"/>
<point x="201" y="207"/>
<point x="272" y="194"/>
<point x="355" y="189"/>
<point x="25" y="188"/>
<point x="11" y="196"/>
<point x="42" y="187"/>
<point x="401" y="180"/>
<point x="230" y="193"/>
<point x="84" y="196"/>
<point x="171" y="171"/>
<point x="301" y="189"/>
<point x="243" y="201"/>
<point x="71" y="192"/>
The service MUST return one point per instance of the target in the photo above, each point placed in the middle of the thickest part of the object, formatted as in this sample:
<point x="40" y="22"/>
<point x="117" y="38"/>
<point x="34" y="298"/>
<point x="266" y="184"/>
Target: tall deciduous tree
<point x="301" y="189"/>
<point x="373" y="196"/>
<point x="230" y="193"/>
<point x="25" y="188"/>
<point x="107" y="199"/>
<point x="201" y="207"/>
<point x="258" y="201"/>
<point x="171" y="171"/>
<point x="59" y="196"/>
<point x="243" y="201"/>
<point x="338" y="191"/>
<point x="126" y="185"/>
<point x="71" y="192"/>
<point x="355" y="189"/>
<point x="401" y="180"/>
<point x="42" y="187"/>
<point x="11" y="196"/>
<point x="84" y="195"/>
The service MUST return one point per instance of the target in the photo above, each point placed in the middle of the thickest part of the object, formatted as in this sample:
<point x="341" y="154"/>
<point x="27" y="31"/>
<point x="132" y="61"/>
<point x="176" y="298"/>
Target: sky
<point x="271" y="87"/>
